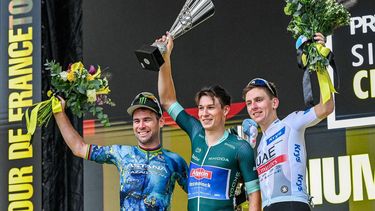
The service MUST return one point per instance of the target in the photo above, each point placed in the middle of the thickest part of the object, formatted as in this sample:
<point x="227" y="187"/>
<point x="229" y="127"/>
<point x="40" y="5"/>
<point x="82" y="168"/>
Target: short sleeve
<point x="102" y="154"/>
<point x="187" y="122"/>
<point x="247" y="167"/>
<point x="300" y="120"/>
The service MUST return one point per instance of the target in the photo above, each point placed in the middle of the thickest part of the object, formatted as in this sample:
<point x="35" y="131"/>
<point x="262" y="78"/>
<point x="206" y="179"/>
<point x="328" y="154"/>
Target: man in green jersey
<point x="218" y="158"/>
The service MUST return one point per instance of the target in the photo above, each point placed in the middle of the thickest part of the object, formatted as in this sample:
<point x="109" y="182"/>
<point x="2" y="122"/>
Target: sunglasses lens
<point x="258" y="82"/>
<point x="263" y="83"/>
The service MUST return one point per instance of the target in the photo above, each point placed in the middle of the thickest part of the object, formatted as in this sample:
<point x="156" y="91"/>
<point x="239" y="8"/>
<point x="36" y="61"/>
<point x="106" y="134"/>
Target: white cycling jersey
<point x="281" y="159"/>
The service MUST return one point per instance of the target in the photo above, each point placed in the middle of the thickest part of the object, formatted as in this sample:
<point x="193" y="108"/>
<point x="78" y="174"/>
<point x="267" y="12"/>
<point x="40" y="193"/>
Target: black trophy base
<point x="149" y="57"/>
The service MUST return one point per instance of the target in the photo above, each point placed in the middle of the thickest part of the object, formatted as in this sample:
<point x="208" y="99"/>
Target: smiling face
<point x="261" y="107"/>
<point x="146" y="127"/>
<point x="211" y="113"/>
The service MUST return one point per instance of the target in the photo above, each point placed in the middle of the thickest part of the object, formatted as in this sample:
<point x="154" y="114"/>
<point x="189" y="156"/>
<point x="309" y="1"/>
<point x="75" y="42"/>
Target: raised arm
<point x="72" y="138"/>
<point x="323" y="110"/>
<point x="166" y="89"/>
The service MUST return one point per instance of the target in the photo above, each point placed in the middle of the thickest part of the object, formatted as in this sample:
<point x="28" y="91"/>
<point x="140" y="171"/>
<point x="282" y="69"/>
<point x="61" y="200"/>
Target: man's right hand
<point x="168" y="40"/>
<point x="71" y="137"/>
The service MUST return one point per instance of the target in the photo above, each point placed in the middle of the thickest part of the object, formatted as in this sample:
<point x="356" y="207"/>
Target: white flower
<point x="64" y="75"/>
<point x="91" y="95"/>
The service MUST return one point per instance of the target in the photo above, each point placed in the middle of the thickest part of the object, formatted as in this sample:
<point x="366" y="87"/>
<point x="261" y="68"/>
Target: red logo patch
<point x="201" y="173"/>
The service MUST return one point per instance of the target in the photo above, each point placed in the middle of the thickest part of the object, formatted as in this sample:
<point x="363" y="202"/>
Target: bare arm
<point x="254" y="201"/>
<point x="323" y="110"/>
<point x="166" y="89"/>
<point x="71" y="137"/>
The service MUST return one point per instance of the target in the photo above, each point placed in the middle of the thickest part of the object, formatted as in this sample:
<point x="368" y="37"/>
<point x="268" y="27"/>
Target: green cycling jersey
<point x="215" y="170"/>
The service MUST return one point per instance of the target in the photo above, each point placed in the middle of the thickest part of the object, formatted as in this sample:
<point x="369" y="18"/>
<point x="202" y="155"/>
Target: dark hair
<point x="214" y="91"/>
<point x="271" y="90"/>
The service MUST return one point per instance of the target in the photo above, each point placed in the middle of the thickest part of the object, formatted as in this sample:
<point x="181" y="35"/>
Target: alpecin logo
<point x="201" y="173"/>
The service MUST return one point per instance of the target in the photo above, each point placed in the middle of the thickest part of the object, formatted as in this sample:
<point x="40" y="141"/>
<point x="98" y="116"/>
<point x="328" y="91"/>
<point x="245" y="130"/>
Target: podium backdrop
<point x="243" y="40"/>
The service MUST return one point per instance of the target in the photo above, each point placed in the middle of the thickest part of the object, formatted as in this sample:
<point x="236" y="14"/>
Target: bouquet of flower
<point x="84" y="91"/>
<point x="308" y="18"/>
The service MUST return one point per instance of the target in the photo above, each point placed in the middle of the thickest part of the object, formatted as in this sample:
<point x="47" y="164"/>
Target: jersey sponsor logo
<point x="297" y="152"/>
<point x="198" y="150"/>
<point x="209" y="182"/>
<point x="284" y="189"/>
<point x="137" y="168"/>
<point x="219" y="159"/>
<point x="275" y="136"/>
<point x="266" y="156"/>
<point x="266" y="167"/>
<point x="299" y="182"/>
<point x="195" y="157"/>
<point x="200" y="173"/>
<point x="306" y="111"/>
<point x="234" y="184"/>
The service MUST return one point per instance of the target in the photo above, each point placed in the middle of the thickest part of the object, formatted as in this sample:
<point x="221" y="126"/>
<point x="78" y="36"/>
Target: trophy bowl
<point x="193" y="13"/>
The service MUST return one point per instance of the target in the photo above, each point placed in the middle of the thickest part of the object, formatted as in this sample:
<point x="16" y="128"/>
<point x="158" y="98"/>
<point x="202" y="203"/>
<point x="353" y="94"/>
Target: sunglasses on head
<point x="262" y="83"/>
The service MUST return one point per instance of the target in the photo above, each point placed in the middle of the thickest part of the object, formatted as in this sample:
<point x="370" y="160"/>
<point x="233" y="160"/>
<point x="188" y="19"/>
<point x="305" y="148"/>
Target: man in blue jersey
<point x="147" y="172"/>
<point x="218" y="158"/>
<point x="281" y="153"/>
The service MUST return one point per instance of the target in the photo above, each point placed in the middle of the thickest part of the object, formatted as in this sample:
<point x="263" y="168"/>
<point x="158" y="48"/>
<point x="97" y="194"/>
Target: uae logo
<point x="201" y="173"/>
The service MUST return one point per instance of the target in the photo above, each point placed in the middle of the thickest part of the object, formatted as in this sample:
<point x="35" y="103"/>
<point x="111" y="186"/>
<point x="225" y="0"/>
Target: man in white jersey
<point x="281" y="153"/>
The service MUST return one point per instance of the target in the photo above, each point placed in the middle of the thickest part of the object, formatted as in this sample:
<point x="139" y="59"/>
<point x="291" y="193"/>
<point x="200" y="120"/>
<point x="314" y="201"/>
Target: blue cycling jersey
<point x="147" y="178"/>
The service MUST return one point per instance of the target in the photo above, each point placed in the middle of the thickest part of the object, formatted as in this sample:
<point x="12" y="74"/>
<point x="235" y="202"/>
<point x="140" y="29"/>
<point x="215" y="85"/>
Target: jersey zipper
<point x="204" y="158"/>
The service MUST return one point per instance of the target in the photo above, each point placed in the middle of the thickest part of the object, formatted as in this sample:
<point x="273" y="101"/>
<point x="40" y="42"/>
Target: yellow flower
<point x="90" y="77"/>
<point x="71" y="76"/>
<point x="76" y="67"/>
<point x="98" y="73"/>
<point x="91" y="95"/>
<point x="103" y="91"/>
<point x="49" y="93"/>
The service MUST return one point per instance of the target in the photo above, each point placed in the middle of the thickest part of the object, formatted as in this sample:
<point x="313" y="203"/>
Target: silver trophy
<point x="192" y="14"/>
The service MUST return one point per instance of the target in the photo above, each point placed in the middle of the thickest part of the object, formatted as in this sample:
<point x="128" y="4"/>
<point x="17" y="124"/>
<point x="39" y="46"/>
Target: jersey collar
<point x="225" y="136"/>
<point x="271" y="126"/>
<point x="150" y="150"/>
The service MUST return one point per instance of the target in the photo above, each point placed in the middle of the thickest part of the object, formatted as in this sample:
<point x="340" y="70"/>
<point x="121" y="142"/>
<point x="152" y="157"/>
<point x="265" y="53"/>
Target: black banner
<point x="20" y="79"/>
<point x="62" y="172"/>
<point x="354" y="53"/>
